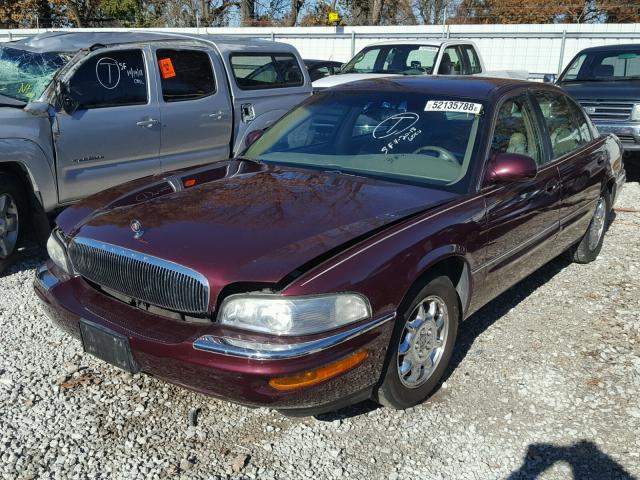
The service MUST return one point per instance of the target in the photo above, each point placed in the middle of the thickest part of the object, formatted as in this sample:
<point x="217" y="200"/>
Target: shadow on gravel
<point x="586" y="460"/>
<point x="27" y="258"/>
<point x="356" y="410"/>
<point x="477" y="323"/>
<point x="632" y="166"/>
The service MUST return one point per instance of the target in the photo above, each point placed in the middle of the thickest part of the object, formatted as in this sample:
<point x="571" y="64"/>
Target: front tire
<point x="421" y="345"/>
<point x="13" y="217"/>
<point x="589" y="247"/>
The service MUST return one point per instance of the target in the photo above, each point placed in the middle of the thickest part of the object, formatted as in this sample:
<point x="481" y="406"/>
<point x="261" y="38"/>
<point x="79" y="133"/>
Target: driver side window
<point x="516" y="130"/>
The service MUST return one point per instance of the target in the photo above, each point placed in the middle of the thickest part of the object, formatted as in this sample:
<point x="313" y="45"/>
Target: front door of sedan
<point x="581" y="163"/>
<point x="521" y="216"/>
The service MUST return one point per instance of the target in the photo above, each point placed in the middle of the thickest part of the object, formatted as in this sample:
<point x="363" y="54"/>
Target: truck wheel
<point x="589" y="247"/>
<point x="13" y="216"/>
<point x="421" y="345"/>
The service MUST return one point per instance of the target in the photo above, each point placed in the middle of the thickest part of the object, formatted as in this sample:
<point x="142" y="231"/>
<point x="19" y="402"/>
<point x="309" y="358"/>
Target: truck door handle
<point x="217" y="115"/>
<point x="152" y="122"/>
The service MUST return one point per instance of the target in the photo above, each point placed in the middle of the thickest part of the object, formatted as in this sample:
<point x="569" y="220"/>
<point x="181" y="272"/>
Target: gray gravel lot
<point x="546" y="379"/>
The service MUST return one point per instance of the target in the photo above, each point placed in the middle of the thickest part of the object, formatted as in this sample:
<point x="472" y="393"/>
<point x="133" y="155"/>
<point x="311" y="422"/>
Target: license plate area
<point x="107" y="345"/>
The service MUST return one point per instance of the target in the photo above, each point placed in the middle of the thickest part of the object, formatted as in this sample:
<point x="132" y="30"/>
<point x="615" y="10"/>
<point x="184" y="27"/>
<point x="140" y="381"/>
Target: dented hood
<point x="244" y="222"/>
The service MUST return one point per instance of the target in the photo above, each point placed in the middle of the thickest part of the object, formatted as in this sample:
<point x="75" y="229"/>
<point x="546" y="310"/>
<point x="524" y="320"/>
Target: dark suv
<point x="606" y="82"/>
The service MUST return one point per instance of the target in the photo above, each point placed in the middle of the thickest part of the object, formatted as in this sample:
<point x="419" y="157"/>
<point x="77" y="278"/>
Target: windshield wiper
<point x="11" y="102"/>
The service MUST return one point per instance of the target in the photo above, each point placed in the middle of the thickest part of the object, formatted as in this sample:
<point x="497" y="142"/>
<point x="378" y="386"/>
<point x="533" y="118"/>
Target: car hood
<point x="339" y="79"/>
<point x="247" y="222"/>
<point x="622" y="90"/>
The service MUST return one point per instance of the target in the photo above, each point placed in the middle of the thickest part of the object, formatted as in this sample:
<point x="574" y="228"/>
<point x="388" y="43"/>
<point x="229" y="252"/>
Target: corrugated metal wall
<point x="538" y="49"/>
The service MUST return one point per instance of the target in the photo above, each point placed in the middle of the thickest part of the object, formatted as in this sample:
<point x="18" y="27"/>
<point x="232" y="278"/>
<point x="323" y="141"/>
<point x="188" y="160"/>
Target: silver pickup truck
<point x="81" y="112"/>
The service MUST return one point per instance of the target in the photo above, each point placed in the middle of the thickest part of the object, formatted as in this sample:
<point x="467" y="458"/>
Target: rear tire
<point x="421" y="346"/>
<point x="588" y="249"/>
<point x="13" y="217"/>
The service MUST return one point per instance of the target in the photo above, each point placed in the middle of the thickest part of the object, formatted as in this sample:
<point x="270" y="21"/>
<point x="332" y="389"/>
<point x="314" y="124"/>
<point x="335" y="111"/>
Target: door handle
<point x="152" y="122"/>
<point x="217" y="115"/>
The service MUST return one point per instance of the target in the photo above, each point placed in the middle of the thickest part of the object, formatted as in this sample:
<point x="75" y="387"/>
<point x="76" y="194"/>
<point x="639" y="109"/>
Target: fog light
<point x="314" y="377"/>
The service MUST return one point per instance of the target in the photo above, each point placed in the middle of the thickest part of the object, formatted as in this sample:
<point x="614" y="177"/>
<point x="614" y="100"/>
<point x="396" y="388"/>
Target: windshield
<point x="403" y="59"/>
<point x="604" y="66"/>
<point x="25" y="75"/>
<point x="394" y="135"/>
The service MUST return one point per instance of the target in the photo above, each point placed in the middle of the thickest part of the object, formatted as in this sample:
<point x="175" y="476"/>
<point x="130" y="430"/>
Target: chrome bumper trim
<point x="222" y="345"/>
<point x="45" y="278"/>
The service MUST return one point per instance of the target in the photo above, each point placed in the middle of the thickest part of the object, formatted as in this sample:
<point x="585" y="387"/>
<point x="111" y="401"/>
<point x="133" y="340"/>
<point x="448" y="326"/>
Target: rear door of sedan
<point x="522" y="217"/>
<point x="581" y="161"/>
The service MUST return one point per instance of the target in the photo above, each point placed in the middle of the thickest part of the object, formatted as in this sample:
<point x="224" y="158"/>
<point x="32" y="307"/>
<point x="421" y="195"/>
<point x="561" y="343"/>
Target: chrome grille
<point x="617" y="110"/>
<point x="141" y="277"/>
<point x="627" y="138"/>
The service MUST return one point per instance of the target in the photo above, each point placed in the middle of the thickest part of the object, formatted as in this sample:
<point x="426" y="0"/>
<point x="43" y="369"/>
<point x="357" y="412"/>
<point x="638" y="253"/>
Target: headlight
<point x="57" y="252"/>
<point x="279" y="315"/>
<point x="635" y="112"/>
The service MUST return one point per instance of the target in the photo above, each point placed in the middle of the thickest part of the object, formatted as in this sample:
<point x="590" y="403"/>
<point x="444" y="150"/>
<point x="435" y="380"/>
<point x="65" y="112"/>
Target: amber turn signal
<point x="189" y="182"/>
<point x="314" y="377"/>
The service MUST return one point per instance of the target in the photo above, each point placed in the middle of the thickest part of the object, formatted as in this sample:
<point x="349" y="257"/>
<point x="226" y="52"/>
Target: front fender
<point x="35" y="164"/>
<point x="386" y="266"/>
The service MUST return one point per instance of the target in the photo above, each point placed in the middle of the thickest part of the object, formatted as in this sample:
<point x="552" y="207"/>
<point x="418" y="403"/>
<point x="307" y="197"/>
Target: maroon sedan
<point x="334" y="261"/>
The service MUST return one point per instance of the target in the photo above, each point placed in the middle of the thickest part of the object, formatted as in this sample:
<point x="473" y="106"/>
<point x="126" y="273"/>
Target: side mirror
<point x="512" y="167"/>
<point x="252" y="137"/>
<point x="550" y="78"/>
<point x="66" y="99"/>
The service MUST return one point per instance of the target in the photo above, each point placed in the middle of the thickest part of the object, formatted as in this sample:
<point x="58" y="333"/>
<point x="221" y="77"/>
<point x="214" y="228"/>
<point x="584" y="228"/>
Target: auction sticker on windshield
<point x="453" y="106"/>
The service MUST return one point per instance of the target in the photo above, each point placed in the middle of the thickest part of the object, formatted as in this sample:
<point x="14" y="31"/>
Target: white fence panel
<point x="538" y="49"/>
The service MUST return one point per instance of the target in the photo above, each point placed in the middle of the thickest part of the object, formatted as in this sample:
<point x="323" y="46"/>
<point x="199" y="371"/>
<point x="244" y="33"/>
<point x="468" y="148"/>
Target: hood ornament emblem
<point x="136" y="228"/>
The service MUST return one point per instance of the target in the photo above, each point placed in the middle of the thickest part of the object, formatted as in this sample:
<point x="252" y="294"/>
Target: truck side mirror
<point x="549" y="78"/>
<point x="66" y="99"/>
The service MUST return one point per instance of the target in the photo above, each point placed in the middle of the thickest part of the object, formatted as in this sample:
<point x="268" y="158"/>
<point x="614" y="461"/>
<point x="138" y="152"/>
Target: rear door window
<point x="111" y="79"/>
<point x="185" y="74"/>
<point x="563" y="130"/>
<point x="259" y="71"/>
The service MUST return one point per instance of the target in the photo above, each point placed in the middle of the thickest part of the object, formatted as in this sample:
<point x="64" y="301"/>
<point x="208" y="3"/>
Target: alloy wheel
<point x="9" y="225"/>
<point x="596" y="228"/>
<point x="422" y="341"/>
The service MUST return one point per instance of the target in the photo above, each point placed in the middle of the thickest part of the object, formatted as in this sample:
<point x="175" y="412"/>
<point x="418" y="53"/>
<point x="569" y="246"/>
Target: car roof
<point x="310" y="62"/>
<point x="435" y="42"/>
<point x="614" y="47"/>
<point x="456" y="86"/>
<point x="69" y="41"/>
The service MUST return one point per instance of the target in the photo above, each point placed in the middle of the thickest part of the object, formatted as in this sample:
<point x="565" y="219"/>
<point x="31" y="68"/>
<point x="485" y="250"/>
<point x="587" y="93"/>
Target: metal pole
<point x="273" y="37"/>
<point x="353" y="43"/>
<point x="197" y="22"/>
<point x="562" y="45"/>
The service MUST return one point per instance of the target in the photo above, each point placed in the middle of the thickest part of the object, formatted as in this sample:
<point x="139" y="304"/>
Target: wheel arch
<point x="453" y="266"/>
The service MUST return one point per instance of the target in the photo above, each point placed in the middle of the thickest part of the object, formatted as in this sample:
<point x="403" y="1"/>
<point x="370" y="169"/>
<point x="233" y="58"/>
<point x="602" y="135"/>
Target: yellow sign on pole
<point x="334" y="17"/>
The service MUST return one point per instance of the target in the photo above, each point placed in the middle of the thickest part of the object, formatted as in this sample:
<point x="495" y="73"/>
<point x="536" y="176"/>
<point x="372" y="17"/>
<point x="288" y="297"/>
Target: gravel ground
<point x="546" y="382"/>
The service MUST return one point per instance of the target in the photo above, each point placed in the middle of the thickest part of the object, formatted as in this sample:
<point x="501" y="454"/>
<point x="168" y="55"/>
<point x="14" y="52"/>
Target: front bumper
<point x="199" y="356"/>
<point x="627" y="132"/>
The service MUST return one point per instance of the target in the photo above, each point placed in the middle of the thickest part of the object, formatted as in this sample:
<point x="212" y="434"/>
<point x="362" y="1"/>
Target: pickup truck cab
<point x="606" y="82"/>
<point x="418" y="57"/>
<point x="81" y="112"/>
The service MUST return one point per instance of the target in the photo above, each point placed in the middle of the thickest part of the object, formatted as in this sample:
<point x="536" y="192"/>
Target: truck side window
<point x="472" y="59"/>
<point x="111" y="79"/>
<point x="564" y="132"/>
<point x="255" y="71"/>
<point x="450" y="63"/>
<point x="185" y="74"/>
